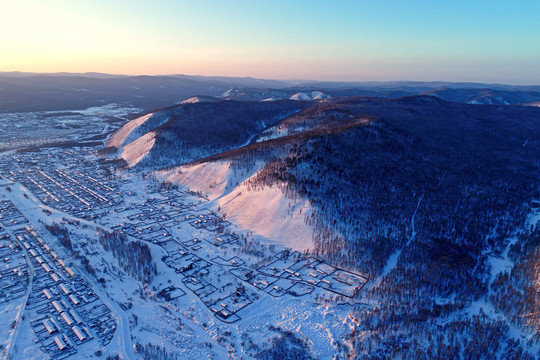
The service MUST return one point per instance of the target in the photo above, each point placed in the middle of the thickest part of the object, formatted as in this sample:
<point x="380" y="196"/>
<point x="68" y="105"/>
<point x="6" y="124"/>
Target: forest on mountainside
<point x="440" y="186"/>
<point x="420" y="195"/>
<point x="193" y="131"/>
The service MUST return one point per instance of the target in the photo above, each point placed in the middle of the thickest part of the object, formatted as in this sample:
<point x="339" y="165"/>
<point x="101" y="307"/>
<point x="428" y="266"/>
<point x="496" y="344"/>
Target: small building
<point x="49" y="326"/>
<point x="47" y="294"/>
<point x="66" y="318"/>
<point x="60" y="343"/>
<point x="79" y="333"/>
<point x="64" y="289"/>
<point x="74" y="299"/>
<point x="87" y="331"/>
<point x="57" y="306"/>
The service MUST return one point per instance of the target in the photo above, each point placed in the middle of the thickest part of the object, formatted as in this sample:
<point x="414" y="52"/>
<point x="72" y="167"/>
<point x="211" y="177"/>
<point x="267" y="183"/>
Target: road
<point x="122" y="337"/>
<point x="18" y="320"/>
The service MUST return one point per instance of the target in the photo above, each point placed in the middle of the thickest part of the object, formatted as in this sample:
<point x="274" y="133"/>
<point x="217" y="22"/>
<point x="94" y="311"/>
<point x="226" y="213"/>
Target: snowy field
<point x="19" y="130"/>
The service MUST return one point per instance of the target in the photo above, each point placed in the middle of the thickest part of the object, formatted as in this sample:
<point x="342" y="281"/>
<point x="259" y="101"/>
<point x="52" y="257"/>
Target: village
<point x="61" y="306"/>
<point x="203" y="249"/>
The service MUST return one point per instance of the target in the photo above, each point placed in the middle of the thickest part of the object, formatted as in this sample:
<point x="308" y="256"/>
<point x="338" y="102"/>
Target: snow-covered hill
<point x="264" y="211"/>
<point x="136" y="150"/>
<point x="198" y="99"/>
<point x="119" y="138"/>
<point x="196" y="129"/>
<point x="314" y="95"/>
<point x="273" y="94"/>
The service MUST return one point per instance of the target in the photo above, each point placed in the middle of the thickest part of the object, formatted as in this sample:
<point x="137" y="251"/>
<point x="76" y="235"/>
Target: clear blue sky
<point x="487" y="41"/>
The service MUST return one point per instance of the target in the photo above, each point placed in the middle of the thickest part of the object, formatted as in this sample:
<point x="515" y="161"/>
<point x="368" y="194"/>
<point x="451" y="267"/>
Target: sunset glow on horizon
<point x="483" y="41"/>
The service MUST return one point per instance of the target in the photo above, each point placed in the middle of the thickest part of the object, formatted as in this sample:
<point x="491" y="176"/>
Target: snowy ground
<point x="231" y="273"/>
<point x="38" y="128"/>
<point x="217" y="265"/>
<point x="265" y="212"/>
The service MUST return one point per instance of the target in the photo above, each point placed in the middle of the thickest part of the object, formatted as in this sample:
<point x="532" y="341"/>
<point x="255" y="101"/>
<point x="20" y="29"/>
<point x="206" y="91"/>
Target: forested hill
<point x="187" y="132"/>
<point x="423" y="196"/>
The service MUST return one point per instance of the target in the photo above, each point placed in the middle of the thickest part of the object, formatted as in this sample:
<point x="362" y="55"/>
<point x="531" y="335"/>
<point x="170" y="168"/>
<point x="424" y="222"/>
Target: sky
<point x="482" y="41"/>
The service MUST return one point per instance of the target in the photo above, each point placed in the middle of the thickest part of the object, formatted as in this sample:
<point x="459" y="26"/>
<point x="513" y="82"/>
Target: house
<point x="49" y="326"/>
<point x="66" y="318"/>
<point x="78" y="332"/>
<point x="60" y="343"/>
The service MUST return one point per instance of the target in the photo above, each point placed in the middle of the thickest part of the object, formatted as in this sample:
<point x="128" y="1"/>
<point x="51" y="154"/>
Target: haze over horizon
<point x="476" y="41"/>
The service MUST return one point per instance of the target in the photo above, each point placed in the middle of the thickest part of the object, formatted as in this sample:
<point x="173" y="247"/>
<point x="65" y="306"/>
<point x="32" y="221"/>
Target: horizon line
<point x="261" y="78"/>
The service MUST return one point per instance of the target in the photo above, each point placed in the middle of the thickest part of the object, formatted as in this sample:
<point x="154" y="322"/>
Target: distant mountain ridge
<point x="24" y="92"/>
<point x="485" y="96"/>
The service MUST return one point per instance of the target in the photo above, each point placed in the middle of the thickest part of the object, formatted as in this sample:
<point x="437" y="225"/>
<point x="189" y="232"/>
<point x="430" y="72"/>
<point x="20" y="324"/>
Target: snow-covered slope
<point x="267" y="212"/>
<point x="138" y="149"/>
<point x="213" y="179"/>
<point x="187" y="132"/>
<point x="135" y="139"/>
<point x="300" y="96"/>
<point x="119" y="138"/>
<point x="198" y="99"/>
<point x="263" y="211"/>
<point x="273" y="94"/>
<point x="537" y="103"/>
<point x="314" y="95"/>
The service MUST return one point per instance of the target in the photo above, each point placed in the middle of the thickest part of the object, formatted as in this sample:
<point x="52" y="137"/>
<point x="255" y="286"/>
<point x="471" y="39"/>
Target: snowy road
<point x="25" y="301"/>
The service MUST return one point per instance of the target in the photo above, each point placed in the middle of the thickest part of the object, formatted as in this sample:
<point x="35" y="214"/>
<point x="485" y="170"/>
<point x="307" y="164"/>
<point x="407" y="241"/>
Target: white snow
<point x="314" y="95"/>
<point x="111" y="109"/>
<point x="192" y="100"/>
<point x="199" y="99"/>
<point x="299" y="96"/>
<point x="263" y="211"/>
<point x="118" y="138"/>
<point x="533" y="220"/>
<point x="214" y="179"/>
<point x="269" y="213"/>
<point x="138" y="149"/>
<point x="228" y="93"/>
